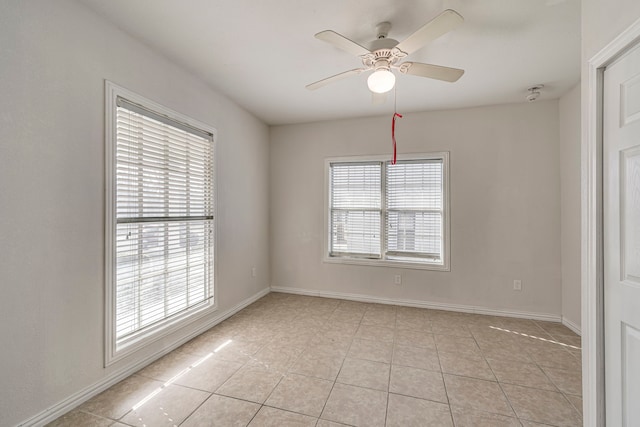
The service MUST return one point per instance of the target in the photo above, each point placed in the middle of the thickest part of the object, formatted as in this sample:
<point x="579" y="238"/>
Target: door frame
<point x="593" y="388"/>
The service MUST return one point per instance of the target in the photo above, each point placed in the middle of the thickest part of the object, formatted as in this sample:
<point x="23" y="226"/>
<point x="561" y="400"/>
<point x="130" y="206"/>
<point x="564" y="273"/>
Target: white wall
<point x="602" y="21"/>
<point x="505" y="206"/>
<point x="569" y="122"/>
<point x="54" y="57"/>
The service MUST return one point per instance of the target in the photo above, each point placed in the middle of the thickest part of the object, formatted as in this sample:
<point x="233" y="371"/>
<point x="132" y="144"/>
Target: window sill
<point x="137" y="341"/>
<point x="387" y="263"/>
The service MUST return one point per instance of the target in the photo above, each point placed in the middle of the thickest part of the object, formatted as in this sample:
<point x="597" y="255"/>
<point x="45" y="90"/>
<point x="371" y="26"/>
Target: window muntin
<point x="160" y="231"/>
<point x="406" y="206"/>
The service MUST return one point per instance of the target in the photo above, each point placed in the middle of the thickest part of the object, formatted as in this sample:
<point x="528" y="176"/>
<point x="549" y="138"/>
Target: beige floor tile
<point x="553" y="356"/>
<point x="375" y="333"/>
<point x="417" y="383"/>
<point x="272" y="417"/>
<point x="325" y="423"/>
<point x="505" y="352"/>
<point x="476" y="394"/>
<point x="330" y="346"/>
<point x="172" y="405"/>
<point x="482" y="319"/>
<point x="276" y="358"/>
<point x="555" y="328"/>
<point x="294" y="347"/>
<point x="413" y="321"/>
<point x="364" y="373"/>
<point x="576" y="401"/>
<point x="416" y="357"/>
<point x="356" y="406"/>
<point x="333" y="335"/>
<point x="252" y="383"/>
<point x="577" y="353"/>
<point x="415" y="338"/>
<point x="347" y="328"/>
<point x="468" y="366"/>
<point x="461" y="345"/>
<point x="201" y="345"/>
<point x="457" y="331"/>
<point x="569" y="382"/>
<point x="406" y="411"/>
<point x="299" y="340"/>
<point x="464" y="417"/>
<point x="542" y="406"/>
<point x="346" y="316"/>
<point x="238" y="351"/>
<point x="119" y="399"/>
<point x="319" y="367"/>
<point x="570" y="340"/>
<point x="526" y="423"/>
<point x="222" y="411"/>
<point x="525" y="374"/>
<point x="371" y="350"/>
<point x="208" y="375"/>
<point x="80" y="419"/>
<point x="169" y="366"/>
<point x="351" y="306"/>
<point x="524" y="326"/>
<point x="304" y="395"/>
<point x="378" y="317"/>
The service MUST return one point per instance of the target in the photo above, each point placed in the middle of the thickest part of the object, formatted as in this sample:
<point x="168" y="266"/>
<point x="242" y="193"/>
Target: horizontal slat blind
<point x="164" y="215"/>
<point x="414" y="199"/>
<point x="355" y="198"/>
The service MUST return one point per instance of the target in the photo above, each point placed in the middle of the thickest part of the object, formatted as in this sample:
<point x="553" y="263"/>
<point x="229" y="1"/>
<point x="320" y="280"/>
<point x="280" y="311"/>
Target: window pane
<point x="355" y="209"/>
<point x="414" y="232"/>
<point x="164" y="214"/>
<point x="414" y="191"/>
<point x="415" y="185"/>
<point x="355" y="232"/>
<point x="355" y="186"/>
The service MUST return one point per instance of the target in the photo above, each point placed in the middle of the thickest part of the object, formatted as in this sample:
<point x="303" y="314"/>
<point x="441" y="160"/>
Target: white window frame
<point x="114" y="350"/>
<point x="445" y="265"/>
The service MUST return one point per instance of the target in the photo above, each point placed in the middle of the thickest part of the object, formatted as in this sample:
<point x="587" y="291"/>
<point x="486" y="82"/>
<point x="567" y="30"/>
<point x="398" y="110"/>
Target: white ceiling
<point x="262" y="53"/>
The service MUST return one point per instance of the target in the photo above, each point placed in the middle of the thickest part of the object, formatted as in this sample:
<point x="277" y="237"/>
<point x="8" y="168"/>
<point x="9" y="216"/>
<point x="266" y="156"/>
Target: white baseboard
<point x="85" y="394"/>
<point x="420" y="304"/>
<point x="571" y="325"/>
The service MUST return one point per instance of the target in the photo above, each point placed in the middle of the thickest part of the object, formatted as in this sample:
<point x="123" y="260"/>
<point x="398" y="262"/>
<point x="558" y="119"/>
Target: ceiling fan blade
<point x="341" y="42"/>
<point x="441" y="24"/>
<point x="431" y="71"/>
<point x="324" y="82"/>
<point x="378" y="98"/>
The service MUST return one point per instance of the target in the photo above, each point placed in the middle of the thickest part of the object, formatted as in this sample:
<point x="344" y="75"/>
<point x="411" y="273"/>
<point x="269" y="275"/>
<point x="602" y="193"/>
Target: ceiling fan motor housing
<point x="383" y="54"/>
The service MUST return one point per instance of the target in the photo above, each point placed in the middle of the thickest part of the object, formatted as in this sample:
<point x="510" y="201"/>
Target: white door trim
<point x="593" y="390"/>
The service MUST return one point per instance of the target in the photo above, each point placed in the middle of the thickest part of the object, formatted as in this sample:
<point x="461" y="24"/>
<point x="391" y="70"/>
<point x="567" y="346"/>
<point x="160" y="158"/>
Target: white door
<point x="621" y="197"/>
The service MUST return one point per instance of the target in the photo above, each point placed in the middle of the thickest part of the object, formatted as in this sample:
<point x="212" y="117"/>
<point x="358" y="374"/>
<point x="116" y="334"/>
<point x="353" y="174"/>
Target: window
<point x="160" y="233"/>
<point x="385" y="214"/>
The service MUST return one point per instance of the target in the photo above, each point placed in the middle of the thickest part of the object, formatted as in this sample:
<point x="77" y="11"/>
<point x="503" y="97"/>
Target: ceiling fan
<point x="385" y="53"/>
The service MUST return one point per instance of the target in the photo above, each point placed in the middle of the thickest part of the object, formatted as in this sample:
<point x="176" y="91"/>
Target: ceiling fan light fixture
<point x="381" y="81"/>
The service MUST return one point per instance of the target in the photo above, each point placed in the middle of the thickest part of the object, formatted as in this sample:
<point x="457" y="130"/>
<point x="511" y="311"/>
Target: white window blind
<point x="414" y="201"/>
<point x="356" y="209"/>
<point x="164" y="218"/>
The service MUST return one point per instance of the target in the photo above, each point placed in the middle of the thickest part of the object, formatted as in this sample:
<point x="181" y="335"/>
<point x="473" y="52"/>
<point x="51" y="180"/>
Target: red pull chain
<point x="393" y="135"/>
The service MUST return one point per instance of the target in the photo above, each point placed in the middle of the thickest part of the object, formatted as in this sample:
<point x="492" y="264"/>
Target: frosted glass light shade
<point x="381" y="81"/>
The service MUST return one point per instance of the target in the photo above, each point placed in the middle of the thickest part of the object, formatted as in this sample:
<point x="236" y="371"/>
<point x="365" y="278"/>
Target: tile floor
<point x="290" y="360"/>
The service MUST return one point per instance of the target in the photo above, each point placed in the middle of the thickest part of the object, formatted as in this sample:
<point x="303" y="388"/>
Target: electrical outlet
<point x="517" y="285"/>
<point x="397" y="279"/>
<point x="253" y="272"/>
